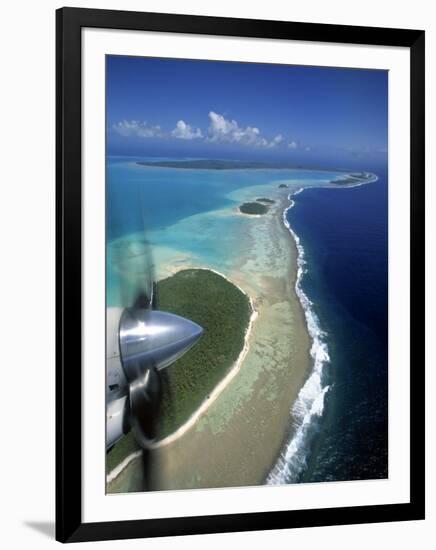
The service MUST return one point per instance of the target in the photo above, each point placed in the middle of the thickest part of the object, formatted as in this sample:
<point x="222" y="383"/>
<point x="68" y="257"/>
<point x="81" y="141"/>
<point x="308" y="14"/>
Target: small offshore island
<point x="253" y="208"/>
<point x="258" y="208"/>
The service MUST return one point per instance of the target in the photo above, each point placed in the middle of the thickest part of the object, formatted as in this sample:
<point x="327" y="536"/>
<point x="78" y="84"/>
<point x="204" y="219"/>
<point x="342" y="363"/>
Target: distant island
<point x="255" y="208"/>
<point x="266" y="200"/>
<point x="354" y="177"/>
<point x="283" y="186"/>
<point x="212" y="164"/>
<point x="206" y="164"/>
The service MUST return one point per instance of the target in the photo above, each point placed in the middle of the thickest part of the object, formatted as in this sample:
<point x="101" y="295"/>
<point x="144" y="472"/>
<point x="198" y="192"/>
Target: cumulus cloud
<point x="225" y="130"/>
<point x="185" y="131"/>
<point x="277" y="140"/>
<point x="140" y="129"/>
<point x="220" y="130"/>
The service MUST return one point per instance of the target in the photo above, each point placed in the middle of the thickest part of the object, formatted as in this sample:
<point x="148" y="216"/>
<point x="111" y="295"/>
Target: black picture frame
<point x="69" y="525"/>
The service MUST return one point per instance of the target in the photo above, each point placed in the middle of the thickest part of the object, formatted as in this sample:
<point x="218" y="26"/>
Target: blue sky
<point x="212" y="109"/>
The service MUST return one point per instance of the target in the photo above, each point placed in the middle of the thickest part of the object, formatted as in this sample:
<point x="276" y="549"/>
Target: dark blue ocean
<point x="344" y="233"/>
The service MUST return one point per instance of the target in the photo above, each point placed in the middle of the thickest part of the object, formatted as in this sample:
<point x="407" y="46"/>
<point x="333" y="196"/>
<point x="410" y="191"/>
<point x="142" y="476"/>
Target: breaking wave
<point x="309" y="405"/>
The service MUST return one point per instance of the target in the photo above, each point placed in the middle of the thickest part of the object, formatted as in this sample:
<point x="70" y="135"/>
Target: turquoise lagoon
<point x="188" y="216"/>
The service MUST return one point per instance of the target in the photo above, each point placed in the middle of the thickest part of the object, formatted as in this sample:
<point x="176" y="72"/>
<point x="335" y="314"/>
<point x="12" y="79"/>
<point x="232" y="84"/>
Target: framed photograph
<point x="240" y="274"/>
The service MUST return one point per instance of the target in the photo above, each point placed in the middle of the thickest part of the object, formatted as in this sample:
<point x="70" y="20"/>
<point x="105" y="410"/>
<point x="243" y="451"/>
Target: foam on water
<point x="309" y="404"/>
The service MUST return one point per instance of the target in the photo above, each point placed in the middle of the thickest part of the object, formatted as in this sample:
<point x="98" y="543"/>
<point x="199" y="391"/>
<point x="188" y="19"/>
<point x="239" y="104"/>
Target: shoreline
<point x="310" y="401"/>
<point x="119" y="468"/>
<point x="310" y="398"/>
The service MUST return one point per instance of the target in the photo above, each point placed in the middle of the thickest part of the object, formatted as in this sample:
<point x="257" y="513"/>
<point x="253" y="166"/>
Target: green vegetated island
<point x="253" y="208"/>
<point x="213" y="164"/>
<point x="258" y="208"/>
<point x="210" y="164"/>
<point x="224" y="312"/>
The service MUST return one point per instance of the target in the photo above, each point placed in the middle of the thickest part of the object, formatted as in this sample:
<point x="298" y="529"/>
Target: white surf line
<point x="120" y="467"/>
<point x="212" y="396"/>
<point x="310" y="399"/>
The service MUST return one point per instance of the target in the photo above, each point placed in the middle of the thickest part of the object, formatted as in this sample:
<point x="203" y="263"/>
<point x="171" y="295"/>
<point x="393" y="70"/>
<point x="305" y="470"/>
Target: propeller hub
<point x="153" y="339"/>
<point x="150" y="340"/>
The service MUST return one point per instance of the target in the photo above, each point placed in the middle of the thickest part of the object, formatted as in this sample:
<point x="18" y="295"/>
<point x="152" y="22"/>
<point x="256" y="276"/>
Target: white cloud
<point x="185" y="131"/>
<point x="276" y="140"/>
<point x="140" y="129"/>
<point x="224" y="130"/>
<point x="220" y="129"/>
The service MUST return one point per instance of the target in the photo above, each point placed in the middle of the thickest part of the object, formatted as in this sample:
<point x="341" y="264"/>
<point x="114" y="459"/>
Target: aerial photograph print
<point x="246" y="274"/>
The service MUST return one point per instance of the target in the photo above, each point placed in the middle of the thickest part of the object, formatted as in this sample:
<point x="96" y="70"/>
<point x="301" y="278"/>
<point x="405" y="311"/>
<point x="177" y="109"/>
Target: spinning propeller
<point x="148" y="341"/>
